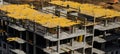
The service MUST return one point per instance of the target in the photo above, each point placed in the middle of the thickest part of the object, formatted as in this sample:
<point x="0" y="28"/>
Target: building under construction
<point x="58" y="27"/>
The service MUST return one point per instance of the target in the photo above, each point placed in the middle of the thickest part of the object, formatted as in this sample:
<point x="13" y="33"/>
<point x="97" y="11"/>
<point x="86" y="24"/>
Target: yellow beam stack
<point x="26" y="12"/>
<point x="89" y="9"/>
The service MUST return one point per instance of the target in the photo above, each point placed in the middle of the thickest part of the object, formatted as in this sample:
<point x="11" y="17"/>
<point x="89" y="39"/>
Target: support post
<point x="34" y="36"/>
<point x="85" y="29"/>
<point x="58" y="36"/>
<point x="7" y="29"/>
<point x="27" y="50"/>
<point x="47" y="41"/>
<point x="72" y="40"/>
<point x="103" y="46"/>
<point x="34" y="44"/>
<point x="42" y="4"/>
<point x="2" y="46"/>
<point x="21" y="38"/>
<point x="72" y="44"/>
<point x="92" y="41"/>
<point x="72" y="31"/>
<point x="104" y="35"/>
<point x="115" y="19"/>
<point x="84" y="41"/>
<point x="106" y="22"/>
<point x="47" y="44"/>
<point x="93" y="34"/>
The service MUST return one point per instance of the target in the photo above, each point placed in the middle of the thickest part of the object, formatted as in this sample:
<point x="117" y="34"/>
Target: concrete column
<point x="85" y="29"/>
<point x="27" y="50"/>
<point x="72" y="52"/>
<point x="103" y="46"/>
<point x="2" y="46"/>
<point x="115" y="19"/>
<point x="72" y="40"/>
<point x="106" y="22"/>
<point x="7" y="48"/>
<point x="0" y="22"/>
<point x="34" y="44"/>
<point x="84" y="41"/>
<point x="72" y="44"/>
<point x="34" y="36"/>
<point x="47" y="44"/>
<point x="58" y="36"/>
<point x="93" y="34"/>
<point x="47" y="41"/>
<point x="104" y="35"/>
<point x="42" y="3"/>
<point x="21" y="38"/>
<point x="7" y="28"/>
